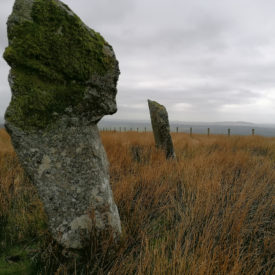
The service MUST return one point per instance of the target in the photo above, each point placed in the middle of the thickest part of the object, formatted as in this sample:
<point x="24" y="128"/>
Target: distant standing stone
<point x="63" y="80"/>
<point x="161" y="128"/>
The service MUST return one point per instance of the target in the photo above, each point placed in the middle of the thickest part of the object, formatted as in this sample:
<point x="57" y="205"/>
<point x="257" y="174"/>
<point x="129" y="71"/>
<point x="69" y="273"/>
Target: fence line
<point x="177" y="130"/>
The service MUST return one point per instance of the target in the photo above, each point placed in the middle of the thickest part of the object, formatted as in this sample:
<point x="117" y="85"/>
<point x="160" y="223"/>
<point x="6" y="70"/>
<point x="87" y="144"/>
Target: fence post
<point x="137" y="129"/>
<point x="208" y="131"/>
<point x="191" y="132"/>
<point x="145" y="129"/>
<point x="253" y="132"/>
<point x="228" y="132"/>
<point x="177" y="129"/>
<point x="130" y="129"/>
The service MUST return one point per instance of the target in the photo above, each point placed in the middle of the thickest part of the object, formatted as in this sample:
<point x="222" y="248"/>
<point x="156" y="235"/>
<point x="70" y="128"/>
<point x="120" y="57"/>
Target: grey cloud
<point x="205" y="60"/>
<point x="102" y="14"/>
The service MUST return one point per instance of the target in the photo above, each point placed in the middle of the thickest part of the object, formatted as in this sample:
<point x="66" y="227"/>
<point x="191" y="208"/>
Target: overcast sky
<point x="204" y="60"/>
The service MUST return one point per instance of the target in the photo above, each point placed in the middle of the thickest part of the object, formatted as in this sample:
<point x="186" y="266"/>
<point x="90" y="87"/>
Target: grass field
<point x="209" y="212"/>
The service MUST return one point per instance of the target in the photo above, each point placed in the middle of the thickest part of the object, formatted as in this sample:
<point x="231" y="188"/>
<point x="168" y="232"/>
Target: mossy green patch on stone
<point x="53" y="56"/>
<point x="57" y="45"/>
<point x="39" y="100"/>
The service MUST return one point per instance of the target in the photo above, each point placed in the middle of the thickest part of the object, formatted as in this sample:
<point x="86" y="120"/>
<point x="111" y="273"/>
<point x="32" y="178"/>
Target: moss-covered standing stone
<point x="63" y="79"/>
<point x="161" y="128"/>
<point x="58" y="63"/>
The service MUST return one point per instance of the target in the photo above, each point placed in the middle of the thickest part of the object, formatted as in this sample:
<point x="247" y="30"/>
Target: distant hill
<point x="237" y="128"/>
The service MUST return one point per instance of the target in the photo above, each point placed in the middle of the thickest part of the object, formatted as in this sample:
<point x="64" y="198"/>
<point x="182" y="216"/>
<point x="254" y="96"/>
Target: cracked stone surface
<point x="63" y="80"/>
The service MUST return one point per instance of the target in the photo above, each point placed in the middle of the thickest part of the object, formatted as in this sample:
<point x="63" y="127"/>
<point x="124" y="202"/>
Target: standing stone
<point x="63" y="80"/>
<point x="161" y="128"/>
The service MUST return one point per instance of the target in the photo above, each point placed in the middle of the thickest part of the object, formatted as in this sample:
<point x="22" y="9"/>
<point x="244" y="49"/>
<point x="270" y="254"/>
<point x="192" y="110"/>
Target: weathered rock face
<point x="161" y="128"/>
<point x="63" y="79"/>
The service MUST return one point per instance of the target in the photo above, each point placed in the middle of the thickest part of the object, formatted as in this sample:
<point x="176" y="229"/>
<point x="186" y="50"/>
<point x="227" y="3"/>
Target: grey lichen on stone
<point x="63" y="79"/>
<point x="161" y="128"/>
<point x="21" y="13"/>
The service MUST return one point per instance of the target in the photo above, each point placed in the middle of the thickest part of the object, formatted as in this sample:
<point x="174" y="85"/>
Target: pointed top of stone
<point x="155" y="104"/>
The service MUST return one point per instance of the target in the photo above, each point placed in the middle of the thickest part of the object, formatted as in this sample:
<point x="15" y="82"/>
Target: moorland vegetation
<point x="211" y="211"/>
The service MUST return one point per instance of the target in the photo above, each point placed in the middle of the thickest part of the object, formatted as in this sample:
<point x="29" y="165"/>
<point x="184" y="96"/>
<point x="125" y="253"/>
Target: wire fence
<point x="189" y="130"/>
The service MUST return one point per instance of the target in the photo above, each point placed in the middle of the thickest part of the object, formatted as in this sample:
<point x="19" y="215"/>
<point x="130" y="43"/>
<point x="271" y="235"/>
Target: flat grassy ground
<point x="209" y="212"/>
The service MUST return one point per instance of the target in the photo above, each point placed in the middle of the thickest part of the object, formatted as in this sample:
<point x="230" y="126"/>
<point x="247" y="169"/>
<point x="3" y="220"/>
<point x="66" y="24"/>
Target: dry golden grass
<point x="209" y="212"/>
<point x="5" y="144"/>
